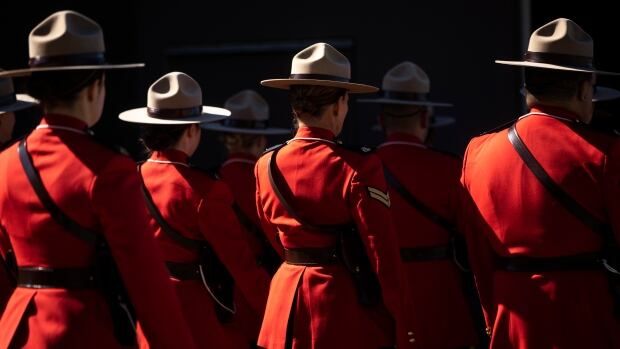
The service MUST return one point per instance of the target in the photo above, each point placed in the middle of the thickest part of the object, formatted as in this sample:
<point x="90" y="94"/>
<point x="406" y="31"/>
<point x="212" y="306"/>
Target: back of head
<point x="557" y="86"/>
<point x="313" y="100"/>
<point x="57" y="88"/>
<point x="402" y="118"/>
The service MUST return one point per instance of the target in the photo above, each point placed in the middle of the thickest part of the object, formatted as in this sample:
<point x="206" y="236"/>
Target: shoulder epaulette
<point x="272" y="148"/>
<point x="357" y="148"/>
<point x="500" y="127"/>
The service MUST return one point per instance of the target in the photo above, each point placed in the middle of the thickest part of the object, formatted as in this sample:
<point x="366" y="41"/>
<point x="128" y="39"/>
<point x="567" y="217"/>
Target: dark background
<point x="231" y="45"/>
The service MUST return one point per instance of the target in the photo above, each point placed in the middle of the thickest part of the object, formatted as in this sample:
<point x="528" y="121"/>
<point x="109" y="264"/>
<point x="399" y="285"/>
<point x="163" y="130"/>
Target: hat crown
<point x="6" y="86"/>
<point x="562" y="36"/>
<point x="323" y="59"/>
<point x="406" y="77"/>
<point x="65" y="33"/>
<point x="174" y="90"/>
<point x="247" y="105"/>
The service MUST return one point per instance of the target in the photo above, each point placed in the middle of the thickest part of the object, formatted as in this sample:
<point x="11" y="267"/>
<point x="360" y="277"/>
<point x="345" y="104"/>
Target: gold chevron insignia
<point x="380" y="196"/>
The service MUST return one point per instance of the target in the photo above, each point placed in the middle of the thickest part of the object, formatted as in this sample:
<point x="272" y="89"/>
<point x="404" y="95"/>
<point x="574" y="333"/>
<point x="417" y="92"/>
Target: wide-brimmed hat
<point x="601" y="93"/>
<point x="405" y="84"/>
<point x="174" y="99"/>
<point x="66" y="40"/>
<point x="320" y="65"/>
<point x="11" y="101"/>
<point x="249" y="115"/>
<point x="561" y="45"/>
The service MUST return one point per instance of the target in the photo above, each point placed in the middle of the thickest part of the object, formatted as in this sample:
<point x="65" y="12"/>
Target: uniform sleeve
<point x="220" y="226"/>
<point x="479" y="250"/>
<point x="370" y="206"/>
<point x="269" y="229"/>
<point x="124" y="220"/>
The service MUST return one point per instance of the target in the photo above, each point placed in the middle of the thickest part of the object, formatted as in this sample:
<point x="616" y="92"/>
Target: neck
<point x="574" y="106"/>
<point x="321" y="122"/>
<point x="76" y="110"/>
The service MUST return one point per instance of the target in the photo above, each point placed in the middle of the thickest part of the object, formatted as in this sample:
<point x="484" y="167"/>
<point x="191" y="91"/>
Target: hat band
<point x="409" y="96"/>
<point x="68" y="60"/>
<point x="174" y="113"/>
<point x="7" y="100"/>
<point x="559" y="59"/>
<point x="256" y="124"/>
<point x="319" y="77"/>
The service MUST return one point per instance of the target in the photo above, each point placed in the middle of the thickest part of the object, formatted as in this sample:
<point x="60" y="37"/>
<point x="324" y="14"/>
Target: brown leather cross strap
<point x="283" y="192"/>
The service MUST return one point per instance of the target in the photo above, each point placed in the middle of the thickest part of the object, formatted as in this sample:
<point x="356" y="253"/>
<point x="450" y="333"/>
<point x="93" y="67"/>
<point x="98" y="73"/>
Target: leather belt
<point x="44" y="277"/>
<point x="311" y="256"/>
<point x="424" y="254"/>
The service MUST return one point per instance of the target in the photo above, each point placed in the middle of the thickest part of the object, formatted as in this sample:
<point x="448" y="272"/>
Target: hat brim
<point x="440" y="121"/>
<point x="23" y="101"/>
<point x="383" y="100"/>
<point x="605" y="94"/>
<point x="602" y="93"/>
<point x="285" y="84"/>
<point x="141" y="116"/>
<point x="30" y="71"/>
<point x="554" y="67"/>
<point x="270" y="131"/>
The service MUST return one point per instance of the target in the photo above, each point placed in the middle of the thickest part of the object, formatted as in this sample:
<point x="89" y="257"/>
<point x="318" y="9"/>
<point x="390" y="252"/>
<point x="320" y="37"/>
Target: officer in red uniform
<point x="244" y="134"/>
<point x="75" y="216"/>
<point x="542" y="212"/>
<point x="10" y="102"/>
<point x="423" y="187"/>
<point x="245" y="137"/>
<point x="341" y="284"/>
<point x="205" y="248"/>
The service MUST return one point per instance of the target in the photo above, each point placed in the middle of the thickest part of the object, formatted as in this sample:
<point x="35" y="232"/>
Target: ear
<point x="90" y="90"/>
<point x="425" y="119"/>
<point x="583" y="90"/>
<point x="336" y="107"/>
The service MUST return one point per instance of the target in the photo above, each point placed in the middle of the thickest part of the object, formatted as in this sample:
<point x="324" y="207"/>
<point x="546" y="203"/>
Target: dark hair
<point x="60" y="87"/>
<point x="161" y="137"/>
<point x="554" y="84"/>
<point x="313" y="99"/>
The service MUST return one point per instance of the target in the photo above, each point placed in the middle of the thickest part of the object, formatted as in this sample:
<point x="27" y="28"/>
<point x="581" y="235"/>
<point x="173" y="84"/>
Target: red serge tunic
<point x="510" y="213"/>
<point x="432" y="177"/>
<point x="238" y="172"/>
<point x="99" y="189"/>
<point x="331" y="186"/>
<point x="200" y="207"/>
